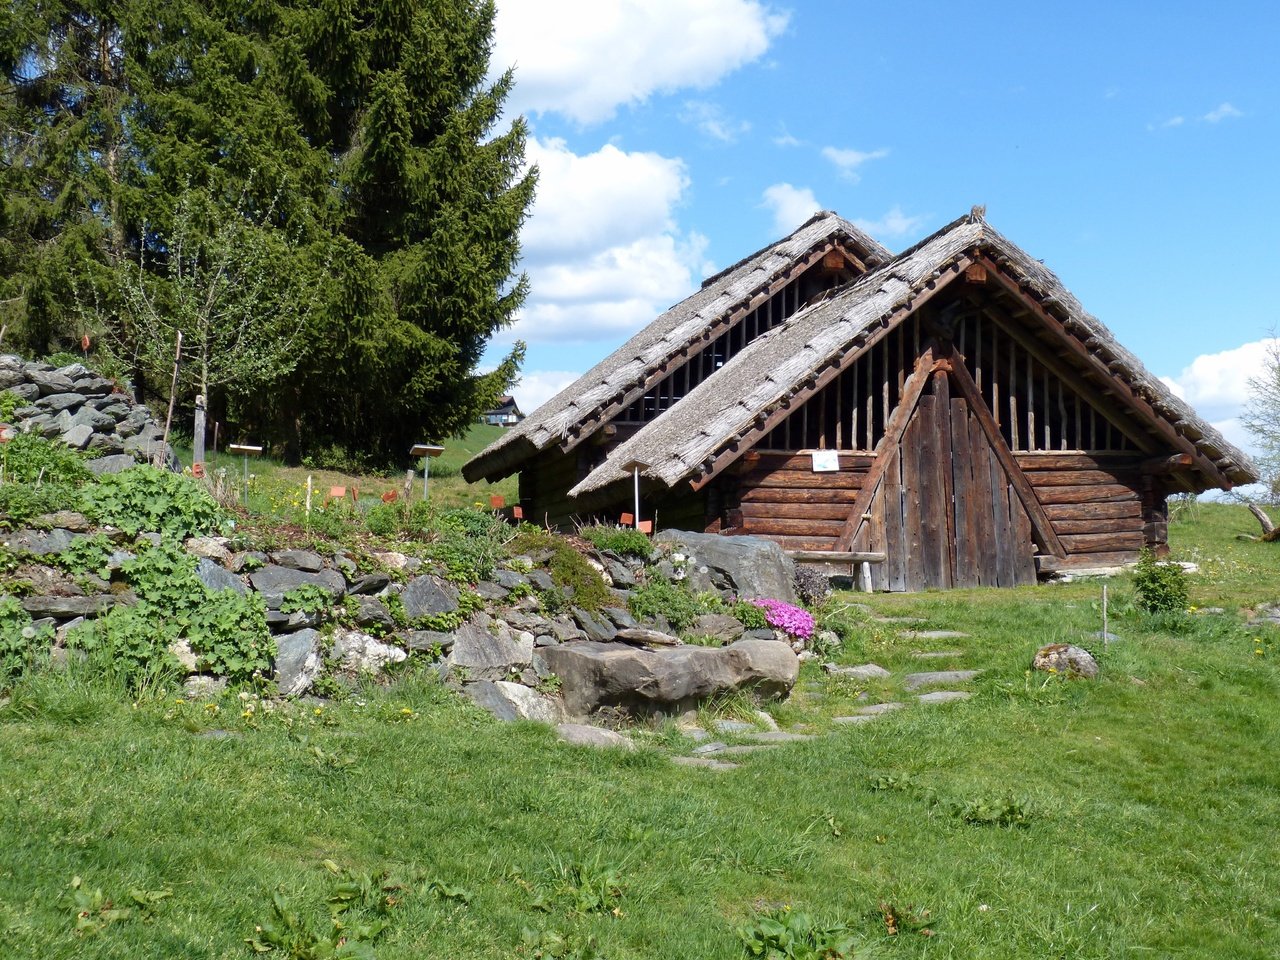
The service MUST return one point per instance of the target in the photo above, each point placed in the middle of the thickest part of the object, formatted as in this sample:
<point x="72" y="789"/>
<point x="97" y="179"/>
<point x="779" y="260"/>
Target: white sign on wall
<point x="826" y="461"/>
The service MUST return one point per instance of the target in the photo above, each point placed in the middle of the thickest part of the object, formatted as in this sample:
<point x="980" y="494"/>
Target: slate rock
<point x="273" y="582"/>
<point x="370" y="583"/>
<point x="211" y="548"/>
<point x="370" y="612"/>
<point x="25" y="391"/>
<point x="721" y="626"/>
<point x="875" y="709"/>
<point x="427" y="596"/>
<point x="914" y="681"/>
<point x="747" y="566"/>
<point x="299" y="560"/>
<point x="57" y="402"/>
<point x="78" y="437"/>
<point x="68" y="520"/>
<point x="490" y="591"/>
<point x="646" y="637"/>
<point x="358" y="652"/>
<point x="116" y="463"/>
<point x="249" y="558"/>
<point x="526" y="620"/>
<point x="509" y="579"/>
<point x="216" y="577"/>
<point x="298" y="662"/>
<point x="540" y="579"/>
<point x="944" y="696"/>
<point x="584" y="735"/>
<point x="64" y="608"/>
<point x="566" y="630"/>
<point x="644" y="681"/>
<point x="596" y="628"/>
<point x="620" y="616"/>
<point x="513" y="701"/>
<point x="49" y="382"/>
<point x="487" y="649"/>
<point x="427" y="641"/>
<point x="1067" y="660"/>
<point x="40" y="542"/>
<point x="867" y="671"/>
<point x="95" y="420"/>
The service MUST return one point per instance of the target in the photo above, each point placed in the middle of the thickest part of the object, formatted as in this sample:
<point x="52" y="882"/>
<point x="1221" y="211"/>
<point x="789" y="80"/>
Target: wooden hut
<point x="951" y="412"/>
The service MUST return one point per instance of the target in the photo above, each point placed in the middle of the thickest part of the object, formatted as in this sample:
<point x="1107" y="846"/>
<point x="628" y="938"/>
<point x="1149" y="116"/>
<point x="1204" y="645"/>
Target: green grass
<point x="1153" y="799"/>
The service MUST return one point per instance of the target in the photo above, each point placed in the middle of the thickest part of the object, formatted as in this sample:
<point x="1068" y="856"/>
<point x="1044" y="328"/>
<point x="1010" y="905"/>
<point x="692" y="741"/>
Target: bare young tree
<point x="1261" y="417"/>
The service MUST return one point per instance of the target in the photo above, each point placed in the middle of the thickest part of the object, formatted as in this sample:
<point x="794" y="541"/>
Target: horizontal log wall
<point x="1095" y="503"/>
<point x="779" y="496"/>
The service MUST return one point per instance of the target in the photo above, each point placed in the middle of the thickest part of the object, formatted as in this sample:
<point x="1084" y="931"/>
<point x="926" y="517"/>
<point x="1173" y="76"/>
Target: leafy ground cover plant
<point x="144" y="498"/>
<point x="624" y="541"/>
<point x="1160" y="586"/>
<point x="30" y="458"/>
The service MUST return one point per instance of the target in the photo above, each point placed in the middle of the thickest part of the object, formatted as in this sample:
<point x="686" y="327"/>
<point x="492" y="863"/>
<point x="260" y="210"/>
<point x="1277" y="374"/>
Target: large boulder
<point x="273" y="582"/>
<point x="1066" y="660"/>
<point x="646" y="681"/>
<point x="514" y="701"/>
<point x="487" y="649"/>
<point x="428" y="596"/>
<point x="747" y="566"/>
<point x="298" y="662"/>
<point x="358" y="652"/>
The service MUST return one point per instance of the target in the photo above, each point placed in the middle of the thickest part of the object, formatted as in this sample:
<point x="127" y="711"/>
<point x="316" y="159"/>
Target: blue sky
<point x="1134" y="147"/>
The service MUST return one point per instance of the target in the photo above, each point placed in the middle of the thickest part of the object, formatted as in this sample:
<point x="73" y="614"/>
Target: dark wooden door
<point x="947" y="514"/>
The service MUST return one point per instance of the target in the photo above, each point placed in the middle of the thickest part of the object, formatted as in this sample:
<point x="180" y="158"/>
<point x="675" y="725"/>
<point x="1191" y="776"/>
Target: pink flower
<point x="793" y="621"/>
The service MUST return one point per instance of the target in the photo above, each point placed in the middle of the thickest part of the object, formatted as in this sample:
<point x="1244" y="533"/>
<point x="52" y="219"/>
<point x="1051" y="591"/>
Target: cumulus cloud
<point x="1217" y="384"/>
<point x="1223" y="111"/>
<point x="791" y="206"/>
<point x="712" y="121"/>
<point x="847" y="162"/>
<point x="892" y="225"/>
<point x="602" y="249"/>
<point x="536" y="387"/>
<point x="585" y="58"/>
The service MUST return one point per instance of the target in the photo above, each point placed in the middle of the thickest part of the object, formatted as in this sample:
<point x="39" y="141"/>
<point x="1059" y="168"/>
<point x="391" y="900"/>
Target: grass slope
<point x="1152" y="800"/>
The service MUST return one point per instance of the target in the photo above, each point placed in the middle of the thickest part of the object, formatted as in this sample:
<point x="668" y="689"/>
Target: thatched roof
<point x="684" y="442"/>
<point x="559" y="419"/>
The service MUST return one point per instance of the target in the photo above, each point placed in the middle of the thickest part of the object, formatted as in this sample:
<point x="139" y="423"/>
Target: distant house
<point x="505" y="414"/>
<point x="952" y="411"/>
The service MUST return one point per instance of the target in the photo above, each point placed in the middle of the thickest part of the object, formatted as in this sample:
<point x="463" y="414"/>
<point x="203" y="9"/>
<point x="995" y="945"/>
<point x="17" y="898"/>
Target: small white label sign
<point x="826" y="461"/>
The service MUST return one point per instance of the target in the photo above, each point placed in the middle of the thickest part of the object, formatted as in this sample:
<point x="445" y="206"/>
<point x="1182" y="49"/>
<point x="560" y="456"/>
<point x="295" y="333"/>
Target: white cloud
<point x="711" y="119"/>
<point x="1166" y="124"/>
<point x="791" y="206"/>
<point x="585" y="58"/>
<point x="785" y="139"/>
<point x="1216" y="385"/>
<point x="602" y="249"/>
<point x="536" y="387"/>
<point x="1223" y="111"/>
<point x="848" y="161"/>
<point x="892" y="225"/>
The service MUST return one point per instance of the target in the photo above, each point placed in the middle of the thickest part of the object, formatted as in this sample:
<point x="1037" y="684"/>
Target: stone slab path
<point x="914" y="681"/>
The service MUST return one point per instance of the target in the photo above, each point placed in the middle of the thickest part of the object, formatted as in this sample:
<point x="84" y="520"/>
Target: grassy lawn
<point x="1150" y="801"/>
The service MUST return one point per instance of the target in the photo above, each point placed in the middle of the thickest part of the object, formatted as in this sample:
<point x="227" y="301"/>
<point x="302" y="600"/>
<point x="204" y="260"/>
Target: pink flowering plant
<point x="792" y="620"/>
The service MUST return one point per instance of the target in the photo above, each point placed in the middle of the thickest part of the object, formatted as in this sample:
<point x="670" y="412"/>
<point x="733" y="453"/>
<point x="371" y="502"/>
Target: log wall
<point x="1095" y="503"/>
<point x="779" y="496"/>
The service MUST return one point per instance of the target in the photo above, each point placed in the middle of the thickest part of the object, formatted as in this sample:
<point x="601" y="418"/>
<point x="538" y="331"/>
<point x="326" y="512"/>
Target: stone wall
<point x="83" y="410"/>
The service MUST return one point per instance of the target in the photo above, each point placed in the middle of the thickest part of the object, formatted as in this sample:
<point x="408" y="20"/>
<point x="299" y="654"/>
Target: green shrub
<point x="143" y="498"/>
<point x="129" y="644"/>
<point x="30" y="458"/>
<point x="386" y="519"/>
<point x="788" y="934"/>
<point x="1161" y="587"/>
<point x="21" y="503"/>
<point x="624" y="541"/>
<point x="663" y="598"/>
<point x="9" y="402"/>
<point x="576" y="581"/>
<point x="750" y="616"/>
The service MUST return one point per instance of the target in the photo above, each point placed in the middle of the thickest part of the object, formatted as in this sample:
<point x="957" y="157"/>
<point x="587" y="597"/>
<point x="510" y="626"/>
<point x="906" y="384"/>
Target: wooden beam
<point x="1076" y="349"/>
<point x="888" y="446"/>
<point x="960" y="374"/>
<point x="835" y="556"/>
<point x="1159" y="466"/>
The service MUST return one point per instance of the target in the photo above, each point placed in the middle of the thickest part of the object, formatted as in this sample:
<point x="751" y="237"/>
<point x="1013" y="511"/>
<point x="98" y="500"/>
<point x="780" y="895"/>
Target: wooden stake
<point x="157" y="457"/>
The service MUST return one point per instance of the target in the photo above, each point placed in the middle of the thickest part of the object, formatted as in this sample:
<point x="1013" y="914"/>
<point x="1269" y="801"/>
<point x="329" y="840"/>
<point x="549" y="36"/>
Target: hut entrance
<point x="947" y="510"/>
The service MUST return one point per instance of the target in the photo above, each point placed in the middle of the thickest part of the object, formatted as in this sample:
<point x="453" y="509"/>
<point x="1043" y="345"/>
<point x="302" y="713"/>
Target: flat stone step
<point x="867" y="671"/>
<point x="745" y="749"/>
<point x="705" y="763"/>
<point x="715" y="746"/>
<point x="943" y="696"/>
<point x="937" y="654"/>
<point x="932" y="634"/>
<point x="779" y="736"/>
<point x="914" y="681"/>
<point x="850" y="721"/>
<point x="875" y="709"/>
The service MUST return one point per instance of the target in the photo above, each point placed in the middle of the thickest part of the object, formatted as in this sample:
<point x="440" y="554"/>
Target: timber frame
<point x="973" y="423"/>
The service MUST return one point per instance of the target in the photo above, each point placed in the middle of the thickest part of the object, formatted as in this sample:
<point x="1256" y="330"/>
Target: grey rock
<point x="932" y="634"/>
<point x="583" y="735"/>
<point x="1109" y="637"/>
<point x="540" y="579"/>
<point x="544" y="640"/>
<point x="216" y="577"/>
<point x="747" y="566"/>
<point x="760" y="633"/>
<point x="25" y="391"/>
<point x="95" y="420"/>
<point x="565" y="630"/>
<point x="344" y="563"/>
<point x="721" y="626"/>
<point x="851" y="721"/>
<point x="487" y="649"/>
<point x="620" y="617"/>
<point x="112" y="407"/>
<point x="619" y="572"/>
<point x="427" y="641"/>
<point x="914" y="681"/>
<point x="867" y="671"/>
<point x="78" y="437"/>
<point x="427" y="596"/>
<point x="68" y="520"/>
<point x="64" y="608"/>
<point x="509" y="579"/>
<point x="768" y="721"/>
<point x="372" y="612"/>
<point x="49" y="382"/>
<point x="250" y="558"/>
<point x="358" y="652"/>
<point x="596" y="628"/>
<point x="705" y="763"/>
<point x="648" y="638"/>
<point x="944" y="696"/>
<point x="490" y="591"/>
<point x="212" y="548"/>
<point x="937" y="654"/>
<point x="595" y="675"/>
<point x="370" y="583"/>
<point x="298" y="662"/>
<point x="713" y="746"/>
<point x="513" y="701"/>
<point x="875" y="709"/>
<point x="299" y="560"/>
<point x="779" y="736"/>
<point x="57" y="402"/>
<point x="273" y="582"/>
<point x="524" y="620"/>
<point x="1066" y="660"/>
<point x="116" y="463"/>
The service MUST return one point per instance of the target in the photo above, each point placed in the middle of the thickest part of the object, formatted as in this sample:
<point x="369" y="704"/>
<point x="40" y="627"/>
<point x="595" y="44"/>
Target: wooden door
<point x="947" y="513"/>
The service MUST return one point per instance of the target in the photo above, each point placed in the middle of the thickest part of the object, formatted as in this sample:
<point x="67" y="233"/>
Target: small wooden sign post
<point x="427" y="452"/>
<point x="247" y="451"/>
